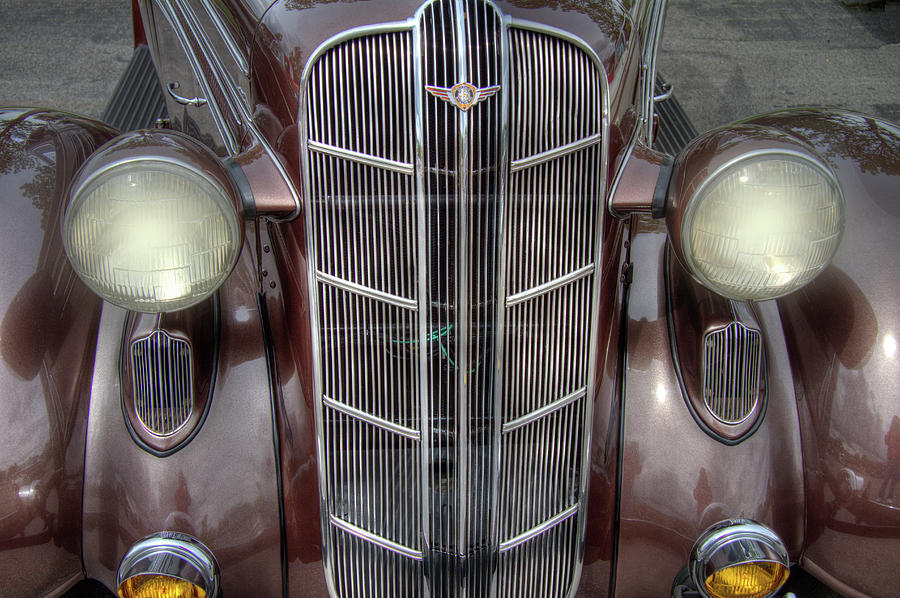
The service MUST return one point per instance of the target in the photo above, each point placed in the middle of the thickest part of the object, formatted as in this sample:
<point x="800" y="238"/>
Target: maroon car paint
<point x="220" y="488"/>
<point x="842" y="332"/>
<point x="677" y="481"/>
<point x="819" y="470"/>
<point x="47" y="323"/>
<point x="695" y="311"/>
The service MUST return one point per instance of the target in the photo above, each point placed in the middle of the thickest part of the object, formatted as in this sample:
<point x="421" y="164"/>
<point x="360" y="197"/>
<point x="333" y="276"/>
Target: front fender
<point x="676" y="480"/>
<point x="48" y="327"/>
<point x="842" y="332"/>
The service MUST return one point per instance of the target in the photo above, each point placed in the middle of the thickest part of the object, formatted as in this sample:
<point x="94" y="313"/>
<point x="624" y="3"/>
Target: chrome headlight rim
<point x="172" y="554"/>
<point x="750" y="534"/>
<point x="695" y="201"/>
<point x="186" y="163"/>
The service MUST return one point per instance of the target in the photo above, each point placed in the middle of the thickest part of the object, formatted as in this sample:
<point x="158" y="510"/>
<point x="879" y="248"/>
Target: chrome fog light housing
<point x="168" y="565"/>
<point x="762" y="225"/>
<point x="739" y="558"/>
<point x="151" y="223"/>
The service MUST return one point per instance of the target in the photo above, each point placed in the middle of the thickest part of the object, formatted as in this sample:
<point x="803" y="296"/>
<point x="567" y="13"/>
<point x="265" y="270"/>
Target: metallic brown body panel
<point x="676" y="480"/>
<point x="220" y="488"/>
<point x="284" y="283"/>
<point x="842" y="332"/>
<point x="271" y="195"/>
<point x="637" y="184"/>
<point x="694" y="312"/>
<point x="48" y="322"/>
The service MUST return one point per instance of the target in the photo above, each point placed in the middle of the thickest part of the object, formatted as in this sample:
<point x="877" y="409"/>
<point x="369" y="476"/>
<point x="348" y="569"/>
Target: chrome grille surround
<point x="453" y="273"/>
<point x="731" y="371"/>
<point x="162" y="382"/>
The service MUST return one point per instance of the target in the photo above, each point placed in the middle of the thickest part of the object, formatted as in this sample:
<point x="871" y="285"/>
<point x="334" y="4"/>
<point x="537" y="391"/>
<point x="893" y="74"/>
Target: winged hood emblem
<point x="462" y="95"/>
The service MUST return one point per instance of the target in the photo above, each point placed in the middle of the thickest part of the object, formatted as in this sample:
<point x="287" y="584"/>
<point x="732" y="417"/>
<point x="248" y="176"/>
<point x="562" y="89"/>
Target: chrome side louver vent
<point x="162" y="382"/>
<point x="731" y="372"/>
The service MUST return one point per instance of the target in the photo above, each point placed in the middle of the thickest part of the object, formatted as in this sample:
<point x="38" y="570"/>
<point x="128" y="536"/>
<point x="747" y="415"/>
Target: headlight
<point x="763" y="225"/>
<point x="168" y="565"/>
<point x="152" y="230"/>
<point x="739" y="558"/>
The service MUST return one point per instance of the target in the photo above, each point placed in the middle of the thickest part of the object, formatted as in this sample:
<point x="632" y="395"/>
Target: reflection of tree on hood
<point x="16" y="157"/>
<point x="847" y="135"/>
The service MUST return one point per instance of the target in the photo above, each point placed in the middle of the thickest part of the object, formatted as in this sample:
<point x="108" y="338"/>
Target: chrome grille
<point x="162" y="382"/>
<point x="732" y="362"/>
<point x="454" y="267"/>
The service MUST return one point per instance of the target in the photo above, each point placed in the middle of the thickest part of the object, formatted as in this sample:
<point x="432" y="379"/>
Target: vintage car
<point x="429" y="298"/>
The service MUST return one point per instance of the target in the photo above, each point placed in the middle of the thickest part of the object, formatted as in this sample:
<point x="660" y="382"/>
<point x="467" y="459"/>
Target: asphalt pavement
<point x="728" y="59"/>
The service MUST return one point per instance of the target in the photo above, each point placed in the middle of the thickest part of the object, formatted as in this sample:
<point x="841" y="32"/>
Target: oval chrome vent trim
<point x="730" y="372"/>
<point x="162" y="379"/>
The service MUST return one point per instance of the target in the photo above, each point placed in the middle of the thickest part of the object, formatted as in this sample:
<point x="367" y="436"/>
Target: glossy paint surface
<point x="843" y="331"/>
<point x="47" y="323"/>
<point x="220" y="488"/>
<point x="676" y="480"/>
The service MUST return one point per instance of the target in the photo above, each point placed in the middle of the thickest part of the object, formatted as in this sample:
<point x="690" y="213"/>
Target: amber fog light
<point x="151" y="223"/>
<point x="168" y="565"/>
<point x="762" y="225"/>
<point x="739" y="558"/>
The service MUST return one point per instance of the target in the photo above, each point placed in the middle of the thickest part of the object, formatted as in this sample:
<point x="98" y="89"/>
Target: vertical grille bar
<point x="162" y="382"/>
<point x="731" y="372"/>
<point x="453" y="267"/>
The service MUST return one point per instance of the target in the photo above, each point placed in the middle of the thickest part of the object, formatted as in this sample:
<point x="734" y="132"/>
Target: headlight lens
<point x="159" y="586"/>
<point x="763" y="226"/>
<point x="151" y="235"/>
<point x="747" y="580"/>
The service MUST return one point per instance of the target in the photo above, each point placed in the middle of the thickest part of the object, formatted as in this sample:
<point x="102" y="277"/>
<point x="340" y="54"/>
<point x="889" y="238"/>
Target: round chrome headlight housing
<point x="168" y="565"/>
<point x="739" y="558"/>
<point x="151" y="223"/>
<point x="762" y="225"/>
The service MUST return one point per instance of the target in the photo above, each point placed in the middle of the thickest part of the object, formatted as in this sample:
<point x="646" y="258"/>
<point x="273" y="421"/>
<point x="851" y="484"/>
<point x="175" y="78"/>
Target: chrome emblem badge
<point x="462" y="95"/>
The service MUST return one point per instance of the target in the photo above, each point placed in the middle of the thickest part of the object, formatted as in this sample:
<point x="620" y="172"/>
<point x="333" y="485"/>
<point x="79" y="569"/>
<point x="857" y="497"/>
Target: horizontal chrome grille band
<point x="367" y="292"/>
<point x="371" y="419"/>
<point x="375" y="539"/>
<point x="552" y="154"/>
<point x="366" y="159"/>
<point x="549" y="286"/>
<point x="453" y="273"/>
<point x="544" y="411"/>
<point x="538" y="530"/>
